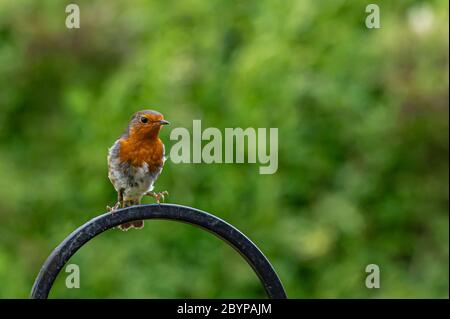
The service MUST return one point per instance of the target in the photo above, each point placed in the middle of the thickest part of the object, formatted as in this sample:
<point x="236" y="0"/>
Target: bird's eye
<point x="144" y="119"/>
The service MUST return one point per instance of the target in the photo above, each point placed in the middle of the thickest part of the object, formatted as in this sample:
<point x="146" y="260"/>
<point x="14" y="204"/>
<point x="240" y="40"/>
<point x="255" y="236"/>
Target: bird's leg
<point x="158" y="195"/>
<point x="119" y="204"/>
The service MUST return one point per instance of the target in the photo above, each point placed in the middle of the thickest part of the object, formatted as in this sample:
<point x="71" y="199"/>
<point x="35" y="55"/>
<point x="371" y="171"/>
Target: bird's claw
<point x="158" y="196"/>
<point x="114" y="208"/>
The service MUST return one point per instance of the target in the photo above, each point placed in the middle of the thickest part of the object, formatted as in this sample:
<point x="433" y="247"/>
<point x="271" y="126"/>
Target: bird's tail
<point x="138" y="224"/>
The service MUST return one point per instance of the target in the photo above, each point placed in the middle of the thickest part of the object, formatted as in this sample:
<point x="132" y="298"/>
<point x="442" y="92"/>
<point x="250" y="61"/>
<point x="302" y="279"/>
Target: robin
<point x="135" y="161"/>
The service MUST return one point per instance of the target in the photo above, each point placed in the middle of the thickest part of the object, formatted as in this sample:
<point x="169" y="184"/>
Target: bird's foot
<point x="158" y="195"/>
<point x="114" y="208"/>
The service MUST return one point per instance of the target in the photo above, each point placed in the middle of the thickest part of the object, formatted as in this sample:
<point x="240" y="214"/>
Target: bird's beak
<point x="164" y="122"/>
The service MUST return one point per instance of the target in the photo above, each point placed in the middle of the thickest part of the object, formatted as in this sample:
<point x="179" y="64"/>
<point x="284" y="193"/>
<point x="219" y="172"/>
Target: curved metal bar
<point x="61" y="254"/>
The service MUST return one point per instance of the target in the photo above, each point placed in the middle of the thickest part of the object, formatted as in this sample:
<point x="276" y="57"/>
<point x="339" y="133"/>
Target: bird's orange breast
<point x="140" y="151"/>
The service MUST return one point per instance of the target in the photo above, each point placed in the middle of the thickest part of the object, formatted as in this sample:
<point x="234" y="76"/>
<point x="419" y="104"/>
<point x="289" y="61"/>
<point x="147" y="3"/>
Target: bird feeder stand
<point x="61" y="254"/>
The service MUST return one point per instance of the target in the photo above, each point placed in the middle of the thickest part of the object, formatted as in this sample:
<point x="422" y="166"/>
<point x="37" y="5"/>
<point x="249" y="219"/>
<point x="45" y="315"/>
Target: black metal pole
<point x="61" y="254"/>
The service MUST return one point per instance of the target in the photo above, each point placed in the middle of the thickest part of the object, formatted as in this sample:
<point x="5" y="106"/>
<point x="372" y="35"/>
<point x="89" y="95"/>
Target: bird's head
<point x="146" y="124"/>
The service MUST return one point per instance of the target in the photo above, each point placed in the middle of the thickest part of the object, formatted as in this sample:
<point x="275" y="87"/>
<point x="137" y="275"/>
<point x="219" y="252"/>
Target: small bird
<point x="135" y="162"/>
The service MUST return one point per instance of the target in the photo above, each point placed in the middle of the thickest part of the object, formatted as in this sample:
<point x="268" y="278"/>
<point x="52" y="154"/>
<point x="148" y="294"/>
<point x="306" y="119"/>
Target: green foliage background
<point x="363" y="143"/>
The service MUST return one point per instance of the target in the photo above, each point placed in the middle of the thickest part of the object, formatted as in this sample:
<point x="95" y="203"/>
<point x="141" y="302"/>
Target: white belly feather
<point x="132" y="180"/>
